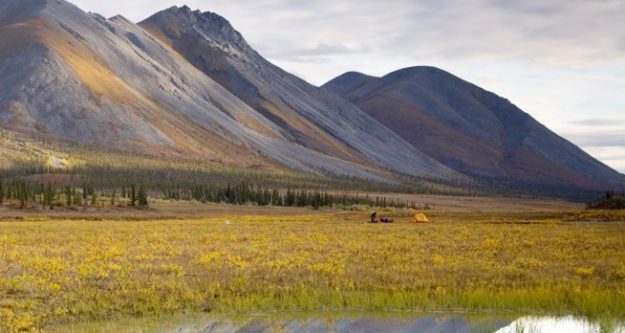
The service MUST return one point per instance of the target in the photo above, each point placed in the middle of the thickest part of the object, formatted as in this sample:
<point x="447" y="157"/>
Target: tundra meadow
<point x="54" y="271"/>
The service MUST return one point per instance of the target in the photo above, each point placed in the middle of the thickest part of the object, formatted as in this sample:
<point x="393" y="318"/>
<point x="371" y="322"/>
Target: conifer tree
<point x="48" y="196"/>
<point x="68" y="196"/>
<point x="77" y="198"/>
<point x="22" y="194"/>
<point x="142" y="197"/>
<point x="133" y="196"/>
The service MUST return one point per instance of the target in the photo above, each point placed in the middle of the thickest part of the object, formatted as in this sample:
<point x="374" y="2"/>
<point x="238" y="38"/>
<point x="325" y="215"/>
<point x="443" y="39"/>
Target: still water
<point x="354" y="324"/>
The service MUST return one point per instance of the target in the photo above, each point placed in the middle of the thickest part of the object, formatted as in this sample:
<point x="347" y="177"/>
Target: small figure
<point x="374" y="218"/>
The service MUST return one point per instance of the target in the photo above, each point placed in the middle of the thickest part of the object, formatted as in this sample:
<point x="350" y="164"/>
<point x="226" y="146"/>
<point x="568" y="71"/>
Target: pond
<point x="352" y="323"/>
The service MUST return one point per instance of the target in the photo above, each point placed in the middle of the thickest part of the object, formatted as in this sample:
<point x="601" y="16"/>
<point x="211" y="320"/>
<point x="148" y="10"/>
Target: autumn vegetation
<point x="52" y="271"/>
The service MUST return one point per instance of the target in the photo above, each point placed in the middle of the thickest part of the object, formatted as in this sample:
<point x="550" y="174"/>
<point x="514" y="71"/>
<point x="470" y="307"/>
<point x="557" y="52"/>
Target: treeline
<point x="243" y="194"/>
<point x="52" y="195"/>
<point x="610" y="201"/>
<point x="186" y="175"/>
<point x="87" y="195"/>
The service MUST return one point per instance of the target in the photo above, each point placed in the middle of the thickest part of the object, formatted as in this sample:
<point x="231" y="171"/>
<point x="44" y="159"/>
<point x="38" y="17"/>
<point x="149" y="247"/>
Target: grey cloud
<point x="614" y="158"/>
<point x="599" y="122"/>
<point x="318" y="53"/>
<point x="572" y="31"/>
<point x="545" y="8"/>
<point x="598" y="139"/>
<point x="327" y="49"/>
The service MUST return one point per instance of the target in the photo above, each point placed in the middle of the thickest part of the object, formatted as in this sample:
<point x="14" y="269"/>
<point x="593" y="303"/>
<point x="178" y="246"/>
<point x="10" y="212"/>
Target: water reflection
<point x="363" y="325"/>
<point x="355" y="324"/>
<point x="568" y="324"/>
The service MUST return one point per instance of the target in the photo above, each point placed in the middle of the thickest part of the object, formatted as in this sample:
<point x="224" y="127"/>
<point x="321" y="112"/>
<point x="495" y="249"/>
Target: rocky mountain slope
<point x="306" y="114"/>
<point x="186" y="84"/>
<point x="86" y="78"/>
<point x="470" y="129"/>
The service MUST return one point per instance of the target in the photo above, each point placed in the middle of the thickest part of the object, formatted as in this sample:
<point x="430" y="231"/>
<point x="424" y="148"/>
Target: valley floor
<point x="249" y="259"/>
<point x="166" y="209"/>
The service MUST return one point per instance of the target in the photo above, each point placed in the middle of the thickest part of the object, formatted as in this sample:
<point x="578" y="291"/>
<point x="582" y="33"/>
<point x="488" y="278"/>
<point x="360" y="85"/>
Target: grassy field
<point x="52" y="271"/>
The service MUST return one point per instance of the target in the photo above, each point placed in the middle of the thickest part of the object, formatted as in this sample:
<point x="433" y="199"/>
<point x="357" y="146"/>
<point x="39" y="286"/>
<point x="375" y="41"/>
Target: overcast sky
<point x="562" y="61"/>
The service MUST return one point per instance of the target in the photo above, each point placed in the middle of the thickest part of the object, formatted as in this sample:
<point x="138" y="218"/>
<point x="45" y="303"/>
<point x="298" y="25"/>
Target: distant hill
<point x="471" y="130"/>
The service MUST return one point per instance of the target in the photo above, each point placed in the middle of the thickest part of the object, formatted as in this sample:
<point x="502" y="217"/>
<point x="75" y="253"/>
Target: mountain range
<point x="185" y="84"/>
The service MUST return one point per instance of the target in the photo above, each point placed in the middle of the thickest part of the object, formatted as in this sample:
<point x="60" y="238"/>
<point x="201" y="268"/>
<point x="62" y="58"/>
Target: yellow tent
<point x="420" y="218"/>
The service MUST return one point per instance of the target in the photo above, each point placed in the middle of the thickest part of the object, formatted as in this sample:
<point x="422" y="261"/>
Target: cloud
<point x="610" y="139"/>
<point x="312" y="54"/>
<point x="613" y="156"/>
<point x="603" y="138"/>
<point x="596" y="132"/>
<point x="598" y="122"/>
<point x="556" y="31"/>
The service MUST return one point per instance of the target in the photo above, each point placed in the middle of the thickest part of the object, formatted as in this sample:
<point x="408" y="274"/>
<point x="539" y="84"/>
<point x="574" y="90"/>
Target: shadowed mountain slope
<point x="470" y="129"/>
<point x="307" y="115"/>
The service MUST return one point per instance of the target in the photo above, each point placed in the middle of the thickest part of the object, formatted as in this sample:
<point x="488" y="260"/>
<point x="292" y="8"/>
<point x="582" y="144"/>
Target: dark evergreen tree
<point x="68" y="196"/>
<point x="142" y="197"/>
<point x="113" y="197"/>
<point x="48" y="196"/>
<point x="133" y="196"/>
<point x="22" y="194"/>
<point x="77" y="198"/>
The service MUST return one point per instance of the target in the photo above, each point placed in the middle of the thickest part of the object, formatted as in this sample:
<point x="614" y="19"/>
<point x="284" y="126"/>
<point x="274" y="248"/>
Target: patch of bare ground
<point x="157" y="210"/>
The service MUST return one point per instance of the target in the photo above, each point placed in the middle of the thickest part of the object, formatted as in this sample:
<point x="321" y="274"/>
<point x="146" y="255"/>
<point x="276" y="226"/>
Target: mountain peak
<point x="184" y="10"/>
<point x="418" y="71"/>
<point x="349" y="81"/>
<point x="353" y="75"/>
<point x="207" y="24"/>
<point x="119" y="18"/>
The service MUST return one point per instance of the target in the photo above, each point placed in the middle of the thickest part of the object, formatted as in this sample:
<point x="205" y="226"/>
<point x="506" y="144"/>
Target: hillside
<point x="472" y="130"/>
<point x="108" y="82"/>
<point x="306" y="114"/>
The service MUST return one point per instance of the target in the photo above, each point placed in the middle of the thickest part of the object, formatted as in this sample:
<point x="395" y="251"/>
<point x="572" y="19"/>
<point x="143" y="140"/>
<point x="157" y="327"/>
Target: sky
<point x="562" y="61"/>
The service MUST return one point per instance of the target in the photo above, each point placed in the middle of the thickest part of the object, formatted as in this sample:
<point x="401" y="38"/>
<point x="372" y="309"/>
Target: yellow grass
<point x="52" y="271"/>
